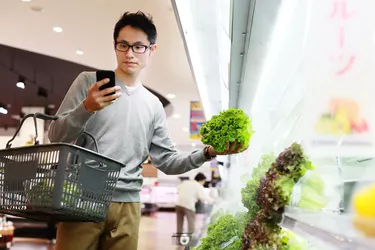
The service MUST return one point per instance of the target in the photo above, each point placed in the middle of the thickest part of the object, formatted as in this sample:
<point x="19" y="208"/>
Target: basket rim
<point x="57" y="215"/>
<point x="63" y="144"/>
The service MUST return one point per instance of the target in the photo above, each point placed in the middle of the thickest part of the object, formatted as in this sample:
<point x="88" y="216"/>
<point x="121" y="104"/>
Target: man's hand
<point x="96" y="99"/>
<point x="232" y="148"/>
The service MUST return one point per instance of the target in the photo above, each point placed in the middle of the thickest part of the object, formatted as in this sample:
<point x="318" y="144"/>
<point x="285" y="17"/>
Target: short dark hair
<point x="200" y="177"/>
<point x="138" y="20"/>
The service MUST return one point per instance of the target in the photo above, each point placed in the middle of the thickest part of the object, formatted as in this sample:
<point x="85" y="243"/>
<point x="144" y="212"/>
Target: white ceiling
<point x="87" y="26"/>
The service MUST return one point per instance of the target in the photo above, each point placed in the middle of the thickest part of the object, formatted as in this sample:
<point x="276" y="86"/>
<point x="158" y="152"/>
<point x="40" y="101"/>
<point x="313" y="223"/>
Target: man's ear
<point x="153" y="49"/>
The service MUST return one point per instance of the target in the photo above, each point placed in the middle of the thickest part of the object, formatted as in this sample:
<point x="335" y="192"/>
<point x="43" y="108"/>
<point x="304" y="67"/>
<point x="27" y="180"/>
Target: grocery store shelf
<point x="333" y="229"/>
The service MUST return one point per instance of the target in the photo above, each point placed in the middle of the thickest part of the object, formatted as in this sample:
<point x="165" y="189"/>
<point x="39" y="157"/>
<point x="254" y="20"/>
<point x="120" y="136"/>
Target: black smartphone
<point x="102" y="74"/>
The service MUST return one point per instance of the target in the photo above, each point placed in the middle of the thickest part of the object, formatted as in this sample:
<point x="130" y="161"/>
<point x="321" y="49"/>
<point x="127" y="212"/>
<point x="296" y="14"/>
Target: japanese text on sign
<point x="346" y="61"/>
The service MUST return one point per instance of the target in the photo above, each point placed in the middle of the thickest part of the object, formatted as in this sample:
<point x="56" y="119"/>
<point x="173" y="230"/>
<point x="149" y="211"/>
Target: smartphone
<point x="102" y="74"/>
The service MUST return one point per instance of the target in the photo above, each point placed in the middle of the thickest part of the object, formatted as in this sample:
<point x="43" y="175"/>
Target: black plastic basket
<point x="59" y="181"/>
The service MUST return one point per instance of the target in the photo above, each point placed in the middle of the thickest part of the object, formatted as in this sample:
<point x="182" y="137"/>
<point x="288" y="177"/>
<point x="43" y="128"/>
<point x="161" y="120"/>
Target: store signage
<point x="215" y="173"/>
<point x="197" y="119"/>
<point x="339" y="64"/>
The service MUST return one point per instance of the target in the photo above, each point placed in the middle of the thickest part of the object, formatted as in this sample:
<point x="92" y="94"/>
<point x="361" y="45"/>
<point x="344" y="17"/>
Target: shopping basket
<point x="182" y="239"/>
<point x="58" y="181"/>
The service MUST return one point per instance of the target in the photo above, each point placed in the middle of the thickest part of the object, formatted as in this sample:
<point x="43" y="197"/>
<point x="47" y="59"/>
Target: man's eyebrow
<point x="137" y="42"/>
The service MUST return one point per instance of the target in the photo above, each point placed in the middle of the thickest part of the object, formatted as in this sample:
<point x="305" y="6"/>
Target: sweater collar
<point x="128" y="90"/>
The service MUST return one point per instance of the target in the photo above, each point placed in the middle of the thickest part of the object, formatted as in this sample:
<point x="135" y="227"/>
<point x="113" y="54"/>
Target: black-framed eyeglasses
<point x="136" y="48"/>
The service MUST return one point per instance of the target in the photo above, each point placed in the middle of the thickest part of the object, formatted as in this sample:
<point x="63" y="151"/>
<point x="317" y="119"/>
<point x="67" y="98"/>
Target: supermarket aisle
<point x="155" y="234"/>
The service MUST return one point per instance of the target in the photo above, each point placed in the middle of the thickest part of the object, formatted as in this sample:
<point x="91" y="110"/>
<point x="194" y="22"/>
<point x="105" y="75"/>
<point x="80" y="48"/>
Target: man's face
<point x="128" y="61"/>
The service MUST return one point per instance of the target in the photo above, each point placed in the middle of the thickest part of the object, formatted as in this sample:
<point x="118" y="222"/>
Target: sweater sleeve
<point x="72" y="113"/>
<point x="163" y="154"/>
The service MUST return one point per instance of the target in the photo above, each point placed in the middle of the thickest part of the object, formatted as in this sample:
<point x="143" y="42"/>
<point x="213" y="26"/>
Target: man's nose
<point x="129" y="53"/>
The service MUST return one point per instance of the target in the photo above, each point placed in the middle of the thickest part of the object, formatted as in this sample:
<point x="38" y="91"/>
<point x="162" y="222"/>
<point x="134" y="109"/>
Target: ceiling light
<point x="26" y="0"/>
<point x="79" y="52"/>
<point x="21" y="85"/>
<point x="185" y="129"/>
<point x="57" y="29"/>
<point x="176" y="116"/>
<point x="171" y="96"/>
<point x="21" y="82"/>
<point x="3" y="110"/>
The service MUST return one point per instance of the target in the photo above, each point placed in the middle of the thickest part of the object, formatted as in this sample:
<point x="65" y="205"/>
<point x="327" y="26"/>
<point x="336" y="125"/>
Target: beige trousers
<point x="190" y="215"/>
<point x="118" y="232"/>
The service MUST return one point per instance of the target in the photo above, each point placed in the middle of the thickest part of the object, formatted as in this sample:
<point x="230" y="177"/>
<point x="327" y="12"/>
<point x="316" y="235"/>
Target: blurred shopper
<point x="189" y="193"/>
<point x="127" y="130"/>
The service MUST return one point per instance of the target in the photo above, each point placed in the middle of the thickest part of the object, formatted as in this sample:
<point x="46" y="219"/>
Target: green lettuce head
<point x="229" y="126"/>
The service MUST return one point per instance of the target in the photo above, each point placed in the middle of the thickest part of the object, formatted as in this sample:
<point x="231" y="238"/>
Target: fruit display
<point x="343" y="118"/>
<point x="229" y="126"/>
<point x="364" y="205"/>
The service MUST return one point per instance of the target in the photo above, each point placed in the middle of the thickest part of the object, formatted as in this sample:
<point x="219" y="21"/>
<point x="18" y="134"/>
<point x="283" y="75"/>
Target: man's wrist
<point x="86" y="107"/>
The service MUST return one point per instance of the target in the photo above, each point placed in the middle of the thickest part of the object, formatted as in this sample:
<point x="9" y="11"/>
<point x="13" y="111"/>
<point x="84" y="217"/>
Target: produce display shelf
<point x="335" y="230"/>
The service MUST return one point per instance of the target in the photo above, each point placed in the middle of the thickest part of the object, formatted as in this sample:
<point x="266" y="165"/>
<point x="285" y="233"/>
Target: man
<point x="189" y="193"/>
<point x="127" y="130"/>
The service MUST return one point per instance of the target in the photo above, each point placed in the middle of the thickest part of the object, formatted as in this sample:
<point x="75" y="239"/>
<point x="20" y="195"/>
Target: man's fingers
<point x="227" y="147"/>
<point x="109" y="98"/>
<point x="109" y="90"/>
<point x="106" y="104"/>
<point x="102" y="82"/>
<point x="239" y="146"/>
<point x="233" y="146"/>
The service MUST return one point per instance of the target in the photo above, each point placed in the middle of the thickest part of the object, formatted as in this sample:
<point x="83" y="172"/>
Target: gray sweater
<point x="128" y="131"/>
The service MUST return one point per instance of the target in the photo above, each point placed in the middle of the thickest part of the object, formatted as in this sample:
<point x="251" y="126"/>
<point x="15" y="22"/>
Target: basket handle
<point x="46" y="118"/>
<point x="36" y="115"/>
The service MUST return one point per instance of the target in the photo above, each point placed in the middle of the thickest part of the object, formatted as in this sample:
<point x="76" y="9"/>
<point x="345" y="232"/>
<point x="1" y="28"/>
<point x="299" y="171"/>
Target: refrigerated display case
<point x="312" y="86"/>
<point x="148" y="205"/>
<point x="302" y="69"/>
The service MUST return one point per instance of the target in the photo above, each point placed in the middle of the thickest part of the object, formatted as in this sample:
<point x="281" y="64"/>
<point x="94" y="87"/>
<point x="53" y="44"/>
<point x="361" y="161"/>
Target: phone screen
<point x="102" y="74"/>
